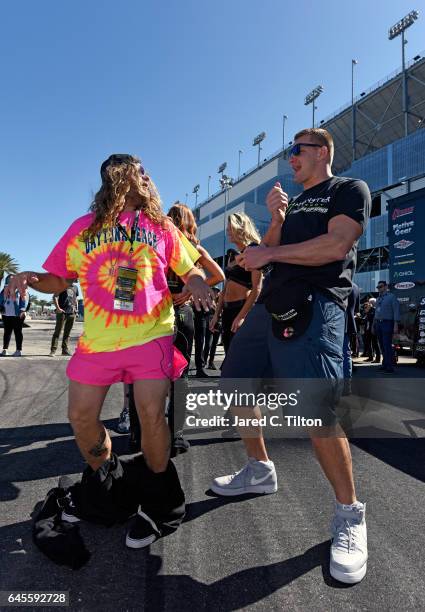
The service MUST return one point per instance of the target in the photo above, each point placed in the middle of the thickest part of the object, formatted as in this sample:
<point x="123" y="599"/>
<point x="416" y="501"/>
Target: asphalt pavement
<point x="256" y="553"/>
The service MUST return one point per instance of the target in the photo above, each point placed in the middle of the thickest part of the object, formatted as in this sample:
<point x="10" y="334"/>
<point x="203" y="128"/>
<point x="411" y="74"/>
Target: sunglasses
<point x="296" y="149"/>
<point x="120" y="158"/>
<point x="380" y="286"/>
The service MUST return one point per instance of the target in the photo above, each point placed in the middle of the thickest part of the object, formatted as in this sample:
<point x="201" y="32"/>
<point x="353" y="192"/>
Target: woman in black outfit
<point x="241" y="288"/>
<point x="184" y="220"/>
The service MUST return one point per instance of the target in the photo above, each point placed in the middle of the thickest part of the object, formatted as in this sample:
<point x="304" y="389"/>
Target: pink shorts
<point x="157" y="359"/>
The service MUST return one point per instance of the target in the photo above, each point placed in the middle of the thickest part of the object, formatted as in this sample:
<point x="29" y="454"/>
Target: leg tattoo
<point x="99" y="448"/>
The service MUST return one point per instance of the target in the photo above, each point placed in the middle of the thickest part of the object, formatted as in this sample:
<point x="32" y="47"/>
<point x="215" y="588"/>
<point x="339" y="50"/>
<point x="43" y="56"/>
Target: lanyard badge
<point x="125" y="290"/>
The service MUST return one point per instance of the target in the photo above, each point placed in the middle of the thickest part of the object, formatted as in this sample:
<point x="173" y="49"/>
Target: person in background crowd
<point x="350" y="330"/>
<point x="212" y="337"/>
<point x="376" y="351"/>
<point x="241" y="288"/>
<point x="121" y="252"/>
<point x="371" y="346"/>
<point x="387" y="317"/>
<point x="188" y="321"/>
<point x="182" y="216"/>
<point x="13" y="311"/>
<point x="66" y="310"/>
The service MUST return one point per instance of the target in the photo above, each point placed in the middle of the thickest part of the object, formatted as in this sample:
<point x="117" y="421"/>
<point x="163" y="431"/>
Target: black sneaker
<point x="142" y="532"/>
<point x="66" y="353"/>
<point x="69" y="511"/>
<point x="201" y="374"/>
<point x="212" y="366"/>
<point x="180" y="446"/>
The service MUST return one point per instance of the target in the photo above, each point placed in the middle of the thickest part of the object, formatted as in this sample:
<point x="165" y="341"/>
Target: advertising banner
<point x="406" y="225"/>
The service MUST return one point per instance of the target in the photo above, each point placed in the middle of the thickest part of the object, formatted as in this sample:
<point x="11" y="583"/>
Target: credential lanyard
<point x="132" y="237"/>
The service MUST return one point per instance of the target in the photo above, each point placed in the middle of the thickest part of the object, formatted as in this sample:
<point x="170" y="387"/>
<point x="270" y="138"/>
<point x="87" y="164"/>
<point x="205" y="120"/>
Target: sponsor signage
<point x="403" y="244"/>
<point x="406" y="227"/>
<point x="402" y="212"/>
<point x="404" y="285"/>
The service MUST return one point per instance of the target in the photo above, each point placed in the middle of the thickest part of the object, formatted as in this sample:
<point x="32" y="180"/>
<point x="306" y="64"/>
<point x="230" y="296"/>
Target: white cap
<point x="372" y="301"/>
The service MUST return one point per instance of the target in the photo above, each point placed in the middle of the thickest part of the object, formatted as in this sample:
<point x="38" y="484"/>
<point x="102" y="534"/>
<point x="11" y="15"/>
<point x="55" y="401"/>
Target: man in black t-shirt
<point x="66" y="309"/>
<point x="312" y="245"/>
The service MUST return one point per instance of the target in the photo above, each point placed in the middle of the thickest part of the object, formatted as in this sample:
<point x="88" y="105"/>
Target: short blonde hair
<point x="243" y="228"/>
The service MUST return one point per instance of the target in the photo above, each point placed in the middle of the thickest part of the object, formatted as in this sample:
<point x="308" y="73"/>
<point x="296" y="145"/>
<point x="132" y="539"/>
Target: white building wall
<point x="217" y="224"/>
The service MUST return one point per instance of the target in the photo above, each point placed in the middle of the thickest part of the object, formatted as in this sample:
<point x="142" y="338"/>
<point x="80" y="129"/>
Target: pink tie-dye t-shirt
<point x="95" y="263"/>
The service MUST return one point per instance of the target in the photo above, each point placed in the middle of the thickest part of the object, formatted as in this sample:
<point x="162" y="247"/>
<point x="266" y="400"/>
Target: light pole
<point x="226" y="184"/>
<point x="399" y="28"/>
<point x="257" y="142"/>
<point x="239" y="163"/>
<point x="283" y="135"/>
<point x="312" y="96"/>
<point x="195" y="191"/>
<point x="353" y="111"/>
<point x="209" y="178"/>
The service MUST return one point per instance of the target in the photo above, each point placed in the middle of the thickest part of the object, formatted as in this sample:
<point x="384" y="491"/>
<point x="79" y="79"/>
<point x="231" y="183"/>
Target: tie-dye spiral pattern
<point x="95" y="264"/>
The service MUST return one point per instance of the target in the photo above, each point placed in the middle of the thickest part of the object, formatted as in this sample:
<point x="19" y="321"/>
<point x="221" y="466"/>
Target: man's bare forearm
<point x="315" y="252"/>
<point x="49" y="283"/>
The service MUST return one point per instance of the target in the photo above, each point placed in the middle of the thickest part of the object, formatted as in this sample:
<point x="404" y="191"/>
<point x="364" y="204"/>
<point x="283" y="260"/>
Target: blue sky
<point x="184" y="85"/>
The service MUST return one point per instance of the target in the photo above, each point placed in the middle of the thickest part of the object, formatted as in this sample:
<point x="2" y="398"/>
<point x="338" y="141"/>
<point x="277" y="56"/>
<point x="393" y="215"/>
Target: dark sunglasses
<point x="380" y="286"/>
<point x="120" y="158"/>
<point x="296" y="149"/>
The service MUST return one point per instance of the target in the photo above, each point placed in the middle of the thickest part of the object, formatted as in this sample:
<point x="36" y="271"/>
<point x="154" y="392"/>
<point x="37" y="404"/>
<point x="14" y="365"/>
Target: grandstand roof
<point x="379" y="115"/>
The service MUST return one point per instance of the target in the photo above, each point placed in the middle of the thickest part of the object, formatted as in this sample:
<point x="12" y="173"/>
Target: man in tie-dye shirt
<point x="121" y="252"/>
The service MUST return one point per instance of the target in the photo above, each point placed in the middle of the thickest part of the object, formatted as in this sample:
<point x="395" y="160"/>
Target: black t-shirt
<point x="67" y="300"/>
<point x="307" y="217"/>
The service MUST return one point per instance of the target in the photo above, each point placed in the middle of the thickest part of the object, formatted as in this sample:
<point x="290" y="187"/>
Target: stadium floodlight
<point x="222" y="168"/>
<point x="314" y="93"/>
<point x="399" y="29"/>
<point x="226" y="181"/>
<point x="403" y="24"/>
<point x="259" y="139"/>
<point x="195" y="191"/>
<point x="312" y="97"/>
<point x="257" y="142"/>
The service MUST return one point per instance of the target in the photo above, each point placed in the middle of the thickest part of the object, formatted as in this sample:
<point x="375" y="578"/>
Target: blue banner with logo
<point x="406" y="225"/>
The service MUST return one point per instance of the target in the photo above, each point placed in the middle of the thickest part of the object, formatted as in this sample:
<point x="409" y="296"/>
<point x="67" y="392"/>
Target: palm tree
<point x="8" y="265"/>
<point x="43" y="304"/>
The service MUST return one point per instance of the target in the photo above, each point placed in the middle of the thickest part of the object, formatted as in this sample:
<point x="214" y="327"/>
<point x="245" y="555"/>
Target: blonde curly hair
<point x="243" y="229"/>
<point x="122" y="174"/>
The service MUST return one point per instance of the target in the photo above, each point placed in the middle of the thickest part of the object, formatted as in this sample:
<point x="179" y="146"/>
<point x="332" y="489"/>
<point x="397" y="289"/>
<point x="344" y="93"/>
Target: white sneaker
<point x="3" y="353"/>
<point x="17" y="354"/>
<point x="349" y="544"/>
<point x="255" y="477"/>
